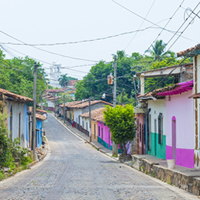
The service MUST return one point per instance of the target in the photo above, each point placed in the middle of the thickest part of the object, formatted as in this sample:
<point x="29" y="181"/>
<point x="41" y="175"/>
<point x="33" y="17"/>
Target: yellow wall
<point x="93" y="124"/>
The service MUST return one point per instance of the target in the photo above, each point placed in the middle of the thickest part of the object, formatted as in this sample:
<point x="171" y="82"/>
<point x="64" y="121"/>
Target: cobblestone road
<point x="75" y="170"/>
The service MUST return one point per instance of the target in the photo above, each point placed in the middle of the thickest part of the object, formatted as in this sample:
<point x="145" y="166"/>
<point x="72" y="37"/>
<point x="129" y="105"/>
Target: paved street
<point x="75" y="170"/>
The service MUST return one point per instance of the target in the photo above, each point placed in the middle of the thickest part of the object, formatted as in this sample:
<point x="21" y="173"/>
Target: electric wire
<point x="50" y="52"/>
<point x="140" y="25"/>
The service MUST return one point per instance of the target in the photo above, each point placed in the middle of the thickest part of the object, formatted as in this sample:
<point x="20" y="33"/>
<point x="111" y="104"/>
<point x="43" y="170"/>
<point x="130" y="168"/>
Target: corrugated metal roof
<point x="17" y="97"/>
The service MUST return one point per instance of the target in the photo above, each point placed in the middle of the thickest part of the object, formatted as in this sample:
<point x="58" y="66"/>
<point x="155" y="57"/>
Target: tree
<point x="158" y="50"/>
<point x="68" y="98"/>
<point x="122" y="125"/>
<point x="16" y="75"/>
<point x="63" y="80"/>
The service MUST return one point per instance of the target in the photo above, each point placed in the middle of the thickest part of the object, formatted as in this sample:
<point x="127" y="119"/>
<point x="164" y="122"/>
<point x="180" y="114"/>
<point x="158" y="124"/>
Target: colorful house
<point x="195" y="127"/>
<point x="39" y="119"/>
<point x="16" y="106"/>
<point x="140" y="111"/>
<point x="169" y="123"/>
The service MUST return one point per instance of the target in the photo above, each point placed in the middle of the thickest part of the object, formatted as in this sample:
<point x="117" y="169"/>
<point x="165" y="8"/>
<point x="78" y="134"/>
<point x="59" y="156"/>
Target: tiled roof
<point x="41" y="117"/>
<point x="69" y="104"/>
<point x="72" y="82"/>
<point x="169" y="90"/>
<point x="96" y="114"/>
<point x="86" y="103"/>
<point x="55" y="90"/>
<point x="41" y="111"/>
<point x="183" y="53"/>
<point x="16" y="97"/>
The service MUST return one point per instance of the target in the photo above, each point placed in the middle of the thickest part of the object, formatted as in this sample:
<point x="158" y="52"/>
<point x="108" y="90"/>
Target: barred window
<point x="160" y="128"/>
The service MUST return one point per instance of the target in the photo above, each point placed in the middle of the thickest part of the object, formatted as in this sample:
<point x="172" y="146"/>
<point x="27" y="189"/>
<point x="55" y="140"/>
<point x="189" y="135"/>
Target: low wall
<point x="190" y="183"/>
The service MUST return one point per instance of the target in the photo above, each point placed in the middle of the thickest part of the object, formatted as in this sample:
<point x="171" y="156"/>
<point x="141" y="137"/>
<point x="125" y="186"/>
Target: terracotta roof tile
<point x="41" y="117"/>
<point x="183" y="53"/>
<point x="17" y="97"/>
<point x="72" y="82"/>
<point x="69" y="104"/>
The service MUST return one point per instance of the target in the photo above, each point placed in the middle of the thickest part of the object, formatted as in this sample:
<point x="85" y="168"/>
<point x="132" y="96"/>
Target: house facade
<point x="195" y="53"/>
<point x="16" y="107"/>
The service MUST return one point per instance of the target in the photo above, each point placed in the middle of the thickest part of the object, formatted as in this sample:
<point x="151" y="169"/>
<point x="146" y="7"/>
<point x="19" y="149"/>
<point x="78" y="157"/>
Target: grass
<point x="139" y="168"/>
<point x="153" y="174"/>
<point x="146" y="172"/>
<point x="169" y="182"/>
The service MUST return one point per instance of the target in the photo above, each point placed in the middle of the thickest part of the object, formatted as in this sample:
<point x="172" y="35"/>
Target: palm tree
<point x="158" y="51"/>
<point x="63" y="80"/>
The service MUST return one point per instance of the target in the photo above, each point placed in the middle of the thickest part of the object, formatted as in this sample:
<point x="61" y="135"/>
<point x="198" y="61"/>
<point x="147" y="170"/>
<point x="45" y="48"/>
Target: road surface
<point x="75" y="170"/>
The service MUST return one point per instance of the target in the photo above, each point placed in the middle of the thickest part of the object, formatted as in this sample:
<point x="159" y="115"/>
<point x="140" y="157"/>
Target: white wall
<point x="16" y="109"/>
<point x="85" y="120"/>
<point x="77" y="112"/>
<point x="157" y="106"/>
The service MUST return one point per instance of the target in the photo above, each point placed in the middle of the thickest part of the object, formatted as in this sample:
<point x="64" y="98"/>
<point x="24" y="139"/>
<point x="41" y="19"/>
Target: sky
<point x="64" y="21"/>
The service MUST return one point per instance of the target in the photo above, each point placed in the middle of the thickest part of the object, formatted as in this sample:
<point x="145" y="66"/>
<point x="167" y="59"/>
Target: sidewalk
<point x="97" y="145"/>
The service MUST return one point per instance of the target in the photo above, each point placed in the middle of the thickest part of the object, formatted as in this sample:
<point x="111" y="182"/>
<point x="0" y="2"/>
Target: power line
<point x="183" y="31"/>
<point x="141" y="24"/>
<point x="170" y="72"/>
<point x="182" y="26"/>
<point x="46" y="50"/>
<point x="84" y="41"/>
<point x="166" y="24"/>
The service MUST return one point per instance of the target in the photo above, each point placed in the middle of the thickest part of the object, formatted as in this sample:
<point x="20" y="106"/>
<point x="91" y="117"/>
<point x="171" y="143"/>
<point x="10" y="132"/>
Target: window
<point x="83" y="124"/>
<point x="86" y="126"/>
<point x="19" y="124"/>
<point x="149" y="132"/>
<point x="11" y="123"/>
<point x="140" y="127"/>
<point x="155" y="126"/>
<point x="99" y="131"/>
<point x="160" y="128"/>
<point x="143" y="133"/>
<point x="102" y="134"/>
<point x="95" y="131"/>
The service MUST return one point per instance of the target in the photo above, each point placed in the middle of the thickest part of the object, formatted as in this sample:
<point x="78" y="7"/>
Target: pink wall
<point x="141" y="118"/>
<point x="181" y="107"/>
<point x="106" y="133"/>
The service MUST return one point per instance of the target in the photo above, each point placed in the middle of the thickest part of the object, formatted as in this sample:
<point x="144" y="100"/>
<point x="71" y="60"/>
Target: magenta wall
<point x="106" y="133"/>
<point x="106" y="137"/>
<point x="181" y="107"/>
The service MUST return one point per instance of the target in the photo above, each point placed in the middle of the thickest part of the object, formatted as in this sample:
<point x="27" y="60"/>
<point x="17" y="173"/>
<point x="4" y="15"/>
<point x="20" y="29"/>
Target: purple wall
<point x="106" y="136"/>
<point x="180" y="107"/>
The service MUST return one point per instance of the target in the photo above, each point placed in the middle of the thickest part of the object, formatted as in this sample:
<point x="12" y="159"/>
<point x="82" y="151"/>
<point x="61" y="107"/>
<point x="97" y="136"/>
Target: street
<point x="75" y="170"/>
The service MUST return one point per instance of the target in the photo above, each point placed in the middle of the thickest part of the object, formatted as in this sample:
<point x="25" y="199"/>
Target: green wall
<point x="158" y="150"/>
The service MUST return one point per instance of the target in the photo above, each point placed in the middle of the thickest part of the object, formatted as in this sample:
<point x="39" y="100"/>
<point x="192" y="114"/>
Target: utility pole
<point x="64" y="108"/>
<point x="90" y="121"/>
<point x="54" y="106"/>
<point x="41" y="101"/>
<point x="135" y="89"/>
<point x="115" y="147"/>
<point x="34" y="110"/>
<point x="122" y="97"/>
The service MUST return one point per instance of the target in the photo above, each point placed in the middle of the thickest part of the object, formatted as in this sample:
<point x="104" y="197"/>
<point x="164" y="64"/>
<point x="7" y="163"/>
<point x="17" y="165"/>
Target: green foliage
<point x="64" y="79"/>
<point x="9" y="150"/>
<point x="17" y="76"/>
<point x="158" y="50"/>
<point x="121" y="122"/>
<point x="68" y="98"/>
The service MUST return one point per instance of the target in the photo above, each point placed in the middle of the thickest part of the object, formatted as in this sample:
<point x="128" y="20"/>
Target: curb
<point x="42" y="157"/>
